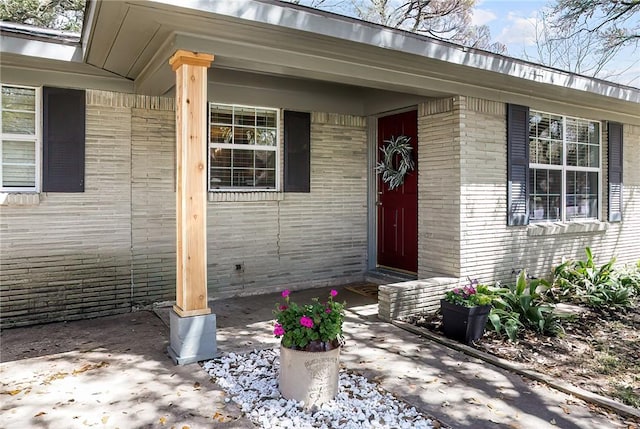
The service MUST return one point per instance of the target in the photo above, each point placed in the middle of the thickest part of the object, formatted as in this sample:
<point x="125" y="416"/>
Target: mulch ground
<point x="599" y="352"/>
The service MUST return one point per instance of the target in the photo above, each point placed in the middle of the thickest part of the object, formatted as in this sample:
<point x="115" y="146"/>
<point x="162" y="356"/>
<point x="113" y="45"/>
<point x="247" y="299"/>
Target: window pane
<point x="219" y="178"/>
<point x="18" y="122"/>
<point x="266" y="118"/>
<point x="555" y="153"/>
<point x="221" y="114"/>
<point x="533" y="150"/>
<point x="266" y="137"/>
<point x="594" y="133"/>
<point x="583" y="131"/>
<point x="583" y="155"/>
<point x="243" y="135"/>
<point x="242" y="158"/>
<point x="243" y="177"/>
<point x="19" y="176"/>
<point x="221" y="157"/>
<point x="572" y="130"/>
<point x="545" y="193"/>
<point x="572" y="154"/>
<point x="18" y="152"/>
<point x="18" y="98"/>
<point x="594" y="156"/>
<point x="582" y="195"/>
<point x="221" y="134"/>
<point x="265" y="178"/>
<point x="245" y="116"/>
<point x="265" y="159"/>
<point x="547" y="126"/>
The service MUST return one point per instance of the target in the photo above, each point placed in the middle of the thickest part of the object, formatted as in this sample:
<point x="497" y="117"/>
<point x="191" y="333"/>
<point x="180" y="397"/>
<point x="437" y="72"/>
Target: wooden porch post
<point x="191" y="182"/>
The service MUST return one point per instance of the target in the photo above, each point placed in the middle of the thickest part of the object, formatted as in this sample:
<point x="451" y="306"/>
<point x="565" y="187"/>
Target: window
<point x="243" y="147"/>
<point x="19" y="138"/>
<point x="564" y="168"/>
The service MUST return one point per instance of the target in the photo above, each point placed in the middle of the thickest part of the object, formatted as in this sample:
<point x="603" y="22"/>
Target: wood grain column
<point x="191" y="181"/>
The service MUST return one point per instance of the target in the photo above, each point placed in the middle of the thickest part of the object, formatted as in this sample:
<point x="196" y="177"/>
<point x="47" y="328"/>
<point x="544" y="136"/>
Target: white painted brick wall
<point x="490" y="250"/>
<point x="67" y="255"/>
<point x="153" y="205"/>
<point x="439" y="130"/>
<point x="298" y="240"/>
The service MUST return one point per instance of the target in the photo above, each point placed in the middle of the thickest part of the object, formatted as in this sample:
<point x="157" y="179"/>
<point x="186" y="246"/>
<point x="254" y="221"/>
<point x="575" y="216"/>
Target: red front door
<point x="398" y="208"/>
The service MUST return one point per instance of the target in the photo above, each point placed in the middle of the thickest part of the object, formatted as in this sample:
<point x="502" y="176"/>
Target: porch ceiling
<point x="134" y="39"/>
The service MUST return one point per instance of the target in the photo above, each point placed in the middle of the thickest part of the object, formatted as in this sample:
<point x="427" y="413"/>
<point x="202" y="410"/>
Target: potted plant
<point x="465" y="311"/>
<point x="310" y="348"/>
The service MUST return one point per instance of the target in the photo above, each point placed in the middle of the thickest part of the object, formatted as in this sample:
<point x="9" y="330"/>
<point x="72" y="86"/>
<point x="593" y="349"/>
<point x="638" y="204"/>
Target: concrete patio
<point x="113" y="372"/>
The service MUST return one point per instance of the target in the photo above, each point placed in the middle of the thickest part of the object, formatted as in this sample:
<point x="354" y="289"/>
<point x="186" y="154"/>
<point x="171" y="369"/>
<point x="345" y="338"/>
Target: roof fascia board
<point x="266" y="60"/>
<point x="331" y="25"/>
<point x="90" y="14"/>
<point x="40" y="49"/>
<point x="63" y="78"/>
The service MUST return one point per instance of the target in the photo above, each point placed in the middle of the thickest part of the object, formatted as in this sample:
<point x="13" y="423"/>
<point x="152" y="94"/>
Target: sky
<point x="512" y="22"/>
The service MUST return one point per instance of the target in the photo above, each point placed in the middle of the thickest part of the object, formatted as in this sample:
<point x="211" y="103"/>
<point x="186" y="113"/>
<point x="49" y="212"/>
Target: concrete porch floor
<point x="113" y="372"/>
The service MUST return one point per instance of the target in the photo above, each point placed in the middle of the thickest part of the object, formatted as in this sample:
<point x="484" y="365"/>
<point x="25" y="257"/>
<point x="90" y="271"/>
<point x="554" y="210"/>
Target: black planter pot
<point x="464" y="324"/>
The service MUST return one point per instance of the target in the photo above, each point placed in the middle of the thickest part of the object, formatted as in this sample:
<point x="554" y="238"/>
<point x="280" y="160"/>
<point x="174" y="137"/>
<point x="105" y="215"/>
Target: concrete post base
<point x="192" y="338"/>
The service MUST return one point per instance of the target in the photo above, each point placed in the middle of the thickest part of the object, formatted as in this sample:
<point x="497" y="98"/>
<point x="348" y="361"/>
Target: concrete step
<point x="383" y="276"/>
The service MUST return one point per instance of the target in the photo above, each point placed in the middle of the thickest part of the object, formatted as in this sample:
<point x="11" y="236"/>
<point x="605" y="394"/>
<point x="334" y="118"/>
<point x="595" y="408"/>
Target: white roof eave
<point x="353" y="30"/>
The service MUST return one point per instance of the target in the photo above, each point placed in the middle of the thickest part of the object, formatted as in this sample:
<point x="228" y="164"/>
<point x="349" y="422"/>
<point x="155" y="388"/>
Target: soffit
<point x="135" y="39"/>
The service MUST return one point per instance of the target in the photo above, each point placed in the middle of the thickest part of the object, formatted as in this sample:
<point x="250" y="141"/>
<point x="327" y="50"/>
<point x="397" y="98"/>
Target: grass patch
<point x="627" y="395"/>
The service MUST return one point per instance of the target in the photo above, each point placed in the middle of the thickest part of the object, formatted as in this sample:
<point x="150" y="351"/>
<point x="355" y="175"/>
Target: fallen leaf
<point x="105" y="419"/>
<point x="41" y="413"/>
<point x="196" y="385"/>
<point x="163" y="420"/>
<point x="565" y="409"/>
<point x="221" y="417"/>
<point x="87" y="367"/>
<point x="56" y="376"/>
<point x="13" y="392"/>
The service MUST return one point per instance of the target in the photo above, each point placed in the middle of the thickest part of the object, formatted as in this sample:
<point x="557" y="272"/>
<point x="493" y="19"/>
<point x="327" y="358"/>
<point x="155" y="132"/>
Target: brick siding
<point x="70" y="256"/>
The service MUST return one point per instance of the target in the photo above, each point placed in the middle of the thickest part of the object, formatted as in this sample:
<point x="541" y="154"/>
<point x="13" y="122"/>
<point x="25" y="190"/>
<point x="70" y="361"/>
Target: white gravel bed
<point x="251" y="380"/>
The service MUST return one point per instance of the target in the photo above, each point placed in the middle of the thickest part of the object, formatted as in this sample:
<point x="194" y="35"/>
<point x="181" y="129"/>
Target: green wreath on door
<point x="397" y="161"/>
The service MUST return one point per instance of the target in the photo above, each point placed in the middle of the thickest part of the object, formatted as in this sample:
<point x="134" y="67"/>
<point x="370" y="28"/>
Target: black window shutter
<point x="297" y="151"/>
<point x="614" y="136"/>
<point x="517" y="165"/>
<point x="63" y="136"/>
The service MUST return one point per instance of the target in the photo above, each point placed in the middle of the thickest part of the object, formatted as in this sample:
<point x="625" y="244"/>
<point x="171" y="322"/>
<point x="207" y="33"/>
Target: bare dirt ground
<point x="598" y="352"/>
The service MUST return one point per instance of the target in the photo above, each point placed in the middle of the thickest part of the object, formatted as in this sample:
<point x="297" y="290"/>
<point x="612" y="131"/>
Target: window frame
<point x="36" y="139"/>
<point x="275" y="148"/>
<point x="564" y="168"/>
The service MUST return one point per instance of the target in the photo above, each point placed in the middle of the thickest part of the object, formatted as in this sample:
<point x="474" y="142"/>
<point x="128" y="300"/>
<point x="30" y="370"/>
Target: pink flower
<point x="278" y="330"/>
<point x="307" y="322"/>
<point x="328" y="310"/>
<point x="285" y="293"/>
<point x="333" y="292"/>
<point x="282" y="307"/>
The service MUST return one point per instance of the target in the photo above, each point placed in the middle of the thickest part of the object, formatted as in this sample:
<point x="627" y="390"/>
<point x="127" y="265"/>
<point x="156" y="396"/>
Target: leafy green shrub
<point x="521" y="306"/>
<point x="582" y="282"/>
<point x="629" y="277"/>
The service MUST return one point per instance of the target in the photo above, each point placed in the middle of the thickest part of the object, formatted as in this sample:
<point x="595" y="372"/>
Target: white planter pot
<point x="311" y="377"/>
